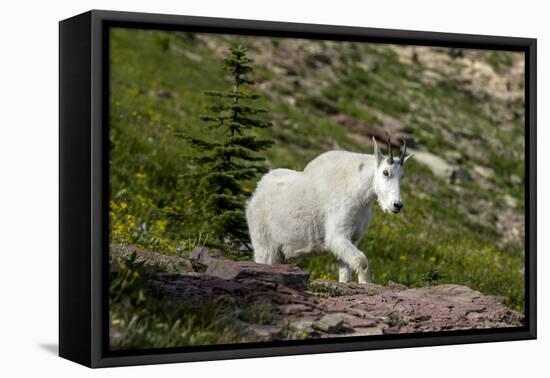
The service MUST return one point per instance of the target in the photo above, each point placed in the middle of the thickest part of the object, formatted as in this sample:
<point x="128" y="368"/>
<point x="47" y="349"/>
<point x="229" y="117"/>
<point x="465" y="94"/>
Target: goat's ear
<point x="407" y="158"/>
<point x="377" y="153"/>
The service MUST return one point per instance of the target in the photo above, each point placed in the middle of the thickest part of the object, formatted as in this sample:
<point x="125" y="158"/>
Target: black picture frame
<point x="83" y="181"/>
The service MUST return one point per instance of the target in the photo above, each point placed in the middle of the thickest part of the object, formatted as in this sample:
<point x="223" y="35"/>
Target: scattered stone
<point x="510" y="201"/>
<point x="454" y="156"/>
<point x="360" y="313"/>
<point x="303" y="327"/>
<point x="515" y="179"/>
<point x="436" y="164"/>
<point x="485" y="172"/>
<point x="331" y="323"/>
<point x="371" y="331"/>
<point x="265" y="332"/>
<point x="192" y="56"/>
<point x="473" y="315"/>
<point x="356" y="321"/>
<point x="292" y="309"/>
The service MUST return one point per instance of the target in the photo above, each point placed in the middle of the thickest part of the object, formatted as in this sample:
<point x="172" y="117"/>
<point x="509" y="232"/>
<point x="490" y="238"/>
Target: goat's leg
<point x="348" y="253"/>
<point x="267" y="255"/>
<point x="344" y="272"/>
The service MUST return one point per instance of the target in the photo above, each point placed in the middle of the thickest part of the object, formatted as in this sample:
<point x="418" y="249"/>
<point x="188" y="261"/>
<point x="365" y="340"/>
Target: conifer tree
<point x="232" y="160"/>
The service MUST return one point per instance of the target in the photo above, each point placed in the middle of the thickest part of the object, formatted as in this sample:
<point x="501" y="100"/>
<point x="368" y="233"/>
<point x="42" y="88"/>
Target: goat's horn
<point x="388" y="142"/>
<point x="403" y="152"/>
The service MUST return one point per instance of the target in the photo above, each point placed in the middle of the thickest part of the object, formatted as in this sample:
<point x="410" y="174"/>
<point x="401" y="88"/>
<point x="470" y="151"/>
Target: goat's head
<point x="388" y="175"/>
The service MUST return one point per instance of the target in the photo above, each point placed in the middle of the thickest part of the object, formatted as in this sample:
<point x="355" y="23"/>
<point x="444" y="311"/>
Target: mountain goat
<point x="324" y="208"/>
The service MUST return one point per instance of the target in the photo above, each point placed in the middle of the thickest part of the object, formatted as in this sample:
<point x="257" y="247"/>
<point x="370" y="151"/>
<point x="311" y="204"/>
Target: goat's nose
<point x="398" y="205"/>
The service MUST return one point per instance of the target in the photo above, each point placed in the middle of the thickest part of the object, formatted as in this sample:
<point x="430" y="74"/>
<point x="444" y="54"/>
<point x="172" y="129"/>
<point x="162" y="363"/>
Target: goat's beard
<point x="385" y="209"/>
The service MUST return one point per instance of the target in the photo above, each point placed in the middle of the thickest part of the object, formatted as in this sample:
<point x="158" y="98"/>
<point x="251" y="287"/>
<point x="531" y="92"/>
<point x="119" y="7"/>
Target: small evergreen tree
<point x="233" y="160"/>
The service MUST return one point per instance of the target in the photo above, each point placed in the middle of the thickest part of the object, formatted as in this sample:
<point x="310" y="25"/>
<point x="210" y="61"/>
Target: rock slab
<point x="217" y="265"/>
<point x="328" y="309"/>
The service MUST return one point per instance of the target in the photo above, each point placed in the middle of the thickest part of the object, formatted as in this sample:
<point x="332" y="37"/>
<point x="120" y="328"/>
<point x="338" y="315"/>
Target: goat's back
<point x="287" y="213"/>
<point x="274" y="190"/>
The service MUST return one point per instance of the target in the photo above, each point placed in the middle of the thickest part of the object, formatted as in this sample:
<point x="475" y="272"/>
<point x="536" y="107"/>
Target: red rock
<point x="331" y="308"/>
<point x="219" y="266"/>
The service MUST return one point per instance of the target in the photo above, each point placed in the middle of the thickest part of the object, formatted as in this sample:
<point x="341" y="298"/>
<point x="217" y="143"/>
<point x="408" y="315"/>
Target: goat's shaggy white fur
<point x="325" y="208"/>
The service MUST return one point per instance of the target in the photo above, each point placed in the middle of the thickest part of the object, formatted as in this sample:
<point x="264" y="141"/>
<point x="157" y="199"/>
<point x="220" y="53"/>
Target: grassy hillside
<point x="465" y="107"/>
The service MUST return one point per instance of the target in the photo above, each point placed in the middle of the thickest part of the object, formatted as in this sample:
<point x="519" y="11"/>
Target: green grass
<point x="157" y="84"/>
<point x="143" y="317"/>
<point x="499" y="60"/>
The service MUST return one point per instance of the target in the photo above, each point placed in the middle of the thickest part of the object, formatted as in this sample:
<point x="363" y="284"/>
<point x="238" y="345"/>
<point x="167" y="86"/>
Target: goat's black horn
<point x="388" y="142"/>
<point x="403" y="152"/>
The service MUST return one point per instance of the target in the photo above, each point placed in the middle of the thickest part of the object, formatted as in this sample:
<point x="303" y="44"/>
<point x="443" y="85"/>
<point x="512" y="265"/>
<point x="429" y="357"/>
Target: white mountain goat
<point x="325" y="208"/>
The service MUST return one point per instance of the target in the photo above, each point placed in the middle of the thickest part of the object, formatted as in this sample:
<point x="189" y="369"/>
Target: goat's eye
<point x="385" y="173"/>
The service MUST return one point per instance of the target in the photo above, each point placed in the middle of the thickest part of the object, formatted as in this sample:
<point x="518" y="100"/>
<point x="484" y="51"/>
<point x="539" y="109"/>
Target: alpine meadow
<point x="195" y="120"/>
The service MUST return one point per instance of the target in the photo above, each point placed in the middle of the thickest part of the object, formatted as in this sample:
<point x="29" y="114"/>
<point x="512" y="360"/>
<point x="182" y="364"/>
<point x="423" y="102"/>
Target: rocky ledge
<point x="301" y="309"/>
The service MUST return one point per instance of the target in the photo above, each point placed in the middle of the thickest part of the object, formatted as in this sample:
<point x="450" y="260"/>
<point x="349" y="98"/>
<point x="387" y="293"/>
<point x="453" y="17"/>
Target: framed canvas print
<point x="234" y="188"/>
